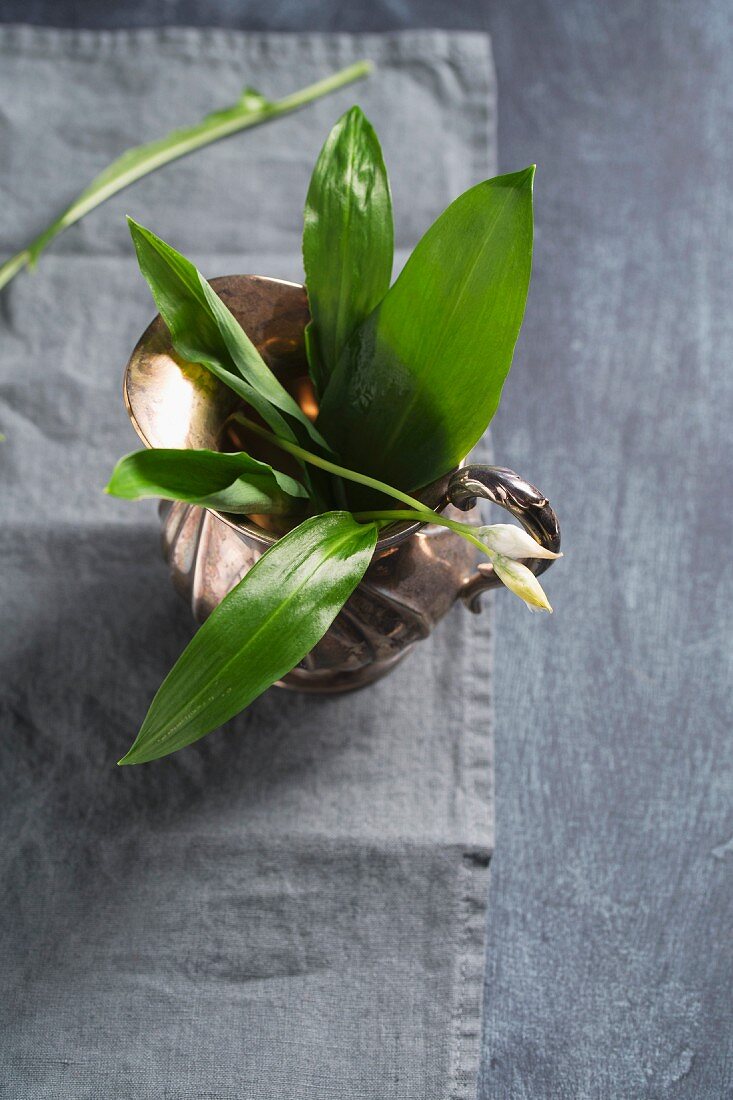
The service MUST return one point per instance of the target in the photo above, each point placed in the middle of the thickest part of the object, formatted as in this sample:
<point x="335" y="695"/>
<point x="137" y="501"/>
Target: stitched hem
<point x="474" y="873"/>
<point x="221" y="44"/>
<point x="478" y="761"/>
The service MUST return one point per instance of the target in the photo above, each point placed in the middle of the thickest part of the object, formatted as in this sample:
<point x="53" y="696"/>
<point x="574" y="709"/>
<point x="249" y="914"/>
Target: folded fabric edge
<point x="218" y="42"/>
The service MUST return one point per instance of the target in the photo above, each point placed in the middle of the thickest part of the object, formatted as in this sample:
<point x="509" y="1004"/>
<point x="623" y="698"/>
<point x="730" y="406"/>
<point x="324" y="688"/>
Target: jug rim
<point x="433" y="494"/>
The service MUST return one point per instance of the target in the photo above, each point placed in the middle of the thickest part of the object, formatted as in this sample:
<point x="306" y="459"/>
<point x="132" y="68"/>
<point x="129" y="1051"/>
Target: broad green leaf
<point x="227" y="482"/>
<point x="251" y="109"/>
<point x="260" y="631"/>
<point x="348" y="240"/>
<point x="204" y="330"/>
<point x="419" y="382"/>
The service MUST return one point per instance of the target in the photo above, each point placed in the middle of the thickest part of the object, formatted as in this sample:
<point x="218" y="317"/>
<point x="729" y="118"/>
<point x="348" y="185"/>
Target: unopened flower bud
<point x="513" y="542"/>
<point x="521" y="581"/>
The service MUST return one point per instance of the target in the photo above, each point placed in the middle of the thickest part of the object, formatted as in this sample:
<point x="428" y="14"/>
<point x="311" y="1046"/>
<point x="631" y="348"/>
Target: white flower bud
<point x="513" y="542"/>
<point x="521" y="581"/>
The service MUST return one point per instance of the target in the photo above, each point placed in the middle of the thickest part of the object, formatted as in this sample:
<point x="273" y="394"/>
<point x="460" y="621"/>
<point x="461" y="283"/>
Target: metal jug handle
<point x="527" y="504"/>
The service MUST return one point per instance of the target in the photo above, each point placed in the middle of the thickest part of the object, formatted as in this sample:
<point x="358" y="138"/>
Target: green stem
<point x="180" y="144"/>
<point x="323" y="87"/>
<point x="418" y="511"/>
<point x="340" y="471"/>
<point x="12" y="266"/>
<point x="453" y="525"/>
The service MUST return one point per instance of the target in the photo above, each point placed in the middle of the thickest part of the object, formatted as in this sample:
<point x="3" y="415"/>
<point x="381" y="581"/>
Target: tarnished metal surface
<point x="418" y="571"/>
<point x="527" y="504"/>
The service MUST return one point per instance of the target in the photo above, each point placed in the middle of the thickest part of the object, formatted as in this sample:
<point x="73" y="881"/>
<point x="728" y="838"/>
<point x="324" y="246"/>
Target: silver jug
<point x="418" y="570"/>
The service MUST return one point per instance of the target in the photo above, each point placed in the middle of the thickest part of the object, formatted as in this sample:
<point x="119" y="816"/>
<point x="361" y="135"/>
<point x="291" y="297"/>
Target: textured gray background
<point x="609" y="968"/>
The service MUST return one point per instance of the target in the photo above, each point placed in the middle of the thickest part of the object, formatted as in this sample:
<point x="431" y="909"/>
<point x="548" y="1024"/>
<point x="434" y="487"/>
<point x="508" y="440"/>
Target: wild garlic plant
<point x="407" y="376"/>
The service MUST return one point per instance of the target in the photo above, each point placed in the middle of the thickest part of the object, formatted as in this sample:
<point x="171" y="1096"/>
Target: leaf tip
<point x="138" y="232"/>
<point x="131" y="756"/>
<point x="352" y="119"/>
<point x="111" y="487"/>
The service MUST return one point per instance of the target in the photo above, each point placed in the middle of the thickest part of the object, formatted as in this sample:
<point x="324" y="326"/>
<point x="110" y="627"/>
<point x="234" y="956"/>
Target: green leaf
<point x="348" y="240"/>
<point x="228" y="482"/>
<point x="260" y="631"/>
<point x="249" y="110"/>
<point x="420" y="380"/>
<point x="205" y="331"/>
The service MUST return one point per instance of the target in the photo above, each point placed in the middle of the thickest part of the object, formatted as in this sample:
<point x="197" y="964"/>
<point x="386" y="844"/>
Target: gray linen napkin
<point x="295" y="906"/>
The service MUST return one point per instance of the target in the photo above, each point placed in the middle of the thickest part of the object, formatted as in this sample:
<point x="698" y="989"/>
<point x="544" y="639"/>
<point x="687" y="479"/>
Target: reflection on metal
<point x="418" y="571"/>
